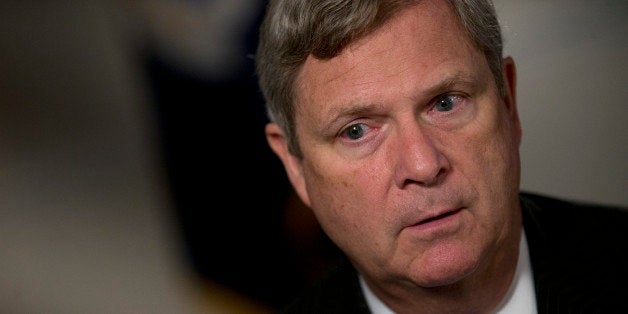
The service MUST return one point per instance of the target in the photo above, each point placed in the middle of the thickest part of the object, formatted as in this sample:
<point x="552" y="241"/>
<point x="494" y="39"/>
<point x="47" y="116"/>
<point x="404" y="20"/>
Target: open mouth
<point x="439" y="217"/>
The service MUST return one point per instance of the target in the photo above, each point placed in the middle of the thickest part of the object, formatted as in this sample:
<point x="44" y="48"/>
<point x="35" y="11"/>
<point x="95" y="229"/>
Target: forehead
<point x="416" y="39"/>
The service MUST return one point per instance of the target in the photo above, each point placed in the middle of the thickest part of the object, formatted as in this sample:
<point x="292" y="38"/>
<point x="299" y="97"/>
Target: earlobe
<point x="509" y="73"/>
<point x="292" y="164"/>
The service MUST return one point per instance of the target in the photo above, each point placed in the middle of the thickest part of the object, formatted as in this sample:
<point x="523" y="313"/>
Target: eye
<point x="355" y="131"/>
<point x="446" y="103"/>
<point x="450" y="110"/>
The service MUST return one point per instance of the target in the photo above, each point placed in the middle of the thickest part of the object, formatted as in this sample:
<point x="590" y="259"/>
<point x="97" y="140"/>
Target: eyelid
<point x="445" y="95"/>
<point x="351" y="113"/>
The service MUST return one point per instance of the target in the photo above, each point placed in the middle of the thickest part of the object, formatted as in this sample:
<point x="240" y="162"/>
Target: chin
<point x="443" y="279"/>
<point x="445" y="269"/>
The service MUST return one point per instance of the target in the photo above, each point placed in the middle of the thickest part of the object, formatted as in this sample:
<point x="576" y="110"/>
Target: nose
<point x="419" y="159"/>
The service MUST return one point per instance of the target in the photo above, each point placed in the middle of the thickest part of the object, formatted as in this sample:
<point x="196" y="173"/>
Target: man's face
<point x="410" y="155"/>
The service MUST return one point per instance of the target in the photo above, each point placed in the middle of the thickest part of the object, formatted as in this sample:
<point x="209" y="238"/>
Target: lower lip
<point x="448" y="222"/>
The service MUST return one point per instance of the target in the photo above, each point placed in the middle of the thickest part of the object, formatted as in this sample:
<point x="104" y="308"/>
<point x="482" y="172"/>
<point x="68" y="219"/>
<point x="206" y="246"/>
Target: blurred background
<point x="136" y="178"/>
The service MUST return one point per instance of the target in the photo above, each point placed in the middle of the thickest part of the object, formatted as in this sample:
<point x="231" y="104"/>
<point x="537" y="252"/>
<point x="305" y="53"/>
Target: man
<point x="396" y="122"/>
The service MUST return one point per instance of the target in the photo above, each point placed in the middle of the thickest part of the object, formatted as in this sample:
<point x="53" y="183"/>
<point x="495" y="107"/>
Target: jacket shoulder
<point x="578" y="252"/>
<point x="559" y="216"/>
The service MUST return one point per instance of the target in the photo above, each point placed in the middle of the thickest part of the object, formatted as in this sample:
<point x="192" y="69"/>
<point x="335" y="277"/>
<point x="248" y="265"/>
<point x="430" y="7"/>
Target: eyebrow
<point x="338" y="114"/>
<point x="354" y="110"/>
<point x="452" y="80"/>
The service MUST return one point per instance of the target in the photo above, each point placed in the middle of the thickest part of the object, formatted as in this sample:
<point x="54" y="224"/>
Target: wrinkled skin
<point x="404" y="125"/>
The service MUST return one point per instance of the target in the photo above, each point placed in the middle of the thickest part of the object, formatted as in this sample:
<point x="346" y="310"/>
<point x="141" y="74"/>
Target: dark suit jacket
<point x="578" y="253"/>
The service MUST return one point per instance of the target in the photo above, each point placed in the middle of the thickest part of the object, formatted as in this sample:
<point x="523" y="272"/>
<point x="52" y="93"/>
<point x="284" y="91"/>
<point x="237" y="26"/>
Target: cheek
<point x="491" y="150"/>
<point x="347" y="202"/>
<point x="503" y="155"/>
<point x="492" y="168"/>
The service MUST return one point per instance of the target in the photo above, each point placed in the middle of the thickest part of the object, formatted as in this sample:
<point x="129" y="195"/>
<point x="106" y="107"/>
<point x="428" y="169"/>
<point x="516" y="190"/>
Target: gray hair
<point x="294" y="29"/>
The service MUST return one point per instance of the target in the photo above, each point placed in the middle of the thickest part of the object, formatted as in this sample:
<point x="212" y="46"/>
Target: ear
<point x="293" y="165"/>
<point x="509" y="72"/>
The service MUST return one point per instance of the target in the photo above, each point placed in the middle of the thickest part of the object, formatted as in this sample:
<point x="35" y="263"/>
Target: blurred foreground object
<point x="229" y="192"/>
<point x="86" y="223"/>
